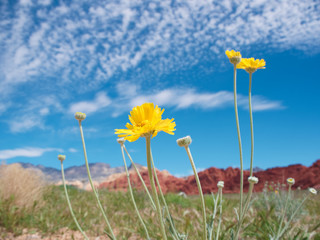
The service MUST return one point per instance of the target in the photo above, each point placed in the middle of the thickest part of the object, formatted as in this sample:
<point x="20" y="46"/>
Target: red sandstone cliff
<point x="304" y="176"/>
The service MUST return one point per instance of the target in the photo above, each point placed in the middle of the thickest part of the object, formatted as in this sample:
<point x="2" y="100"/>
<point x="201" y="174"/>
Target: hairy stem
<point x="69" y="204"/>
<point x="251" y="125"/>
<point x="220" y="217"/>
<point x="91" y="183"/>
<point x="284" y="211"/>
<point x="200" y="193"/>
<point x="164" y="201"/>
<point x="214" y="213"/>
<point x="131" y="194"/>
<point x="141" y="179"/>
<point x="291" y="218"/>
<point x="153" y="187"/>
<point x="239" y="136"/>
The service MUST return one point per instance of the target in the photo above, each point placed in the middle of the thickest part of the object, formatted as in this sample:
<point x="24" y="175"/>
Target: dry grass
<point x="23" y="186"/>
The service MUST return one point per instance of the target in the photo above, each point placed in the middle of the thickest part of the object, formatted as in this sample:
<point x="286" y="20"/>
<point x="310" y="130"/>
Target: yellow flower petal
<point x="146" y="120"/>
<point x="251" y="65"/>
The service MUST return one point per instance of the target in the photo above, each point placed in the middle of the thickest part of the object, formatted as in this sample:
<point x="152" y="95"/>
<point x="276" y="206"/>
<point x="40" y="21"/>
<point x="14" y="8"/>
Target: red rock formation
<point x="304" y="176"/>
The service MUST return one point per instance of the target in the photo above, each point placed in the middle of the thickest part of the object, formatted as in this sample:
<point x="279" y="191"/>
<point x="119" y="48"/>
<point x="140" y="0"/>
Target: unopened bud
<point x="220" y="184"/>
<point x="185" y="141"/>
<point x="61" y="157"/>
<point x="253" y="180"/>
<point x="80" y="116"/>
<point x="121" y="141"/>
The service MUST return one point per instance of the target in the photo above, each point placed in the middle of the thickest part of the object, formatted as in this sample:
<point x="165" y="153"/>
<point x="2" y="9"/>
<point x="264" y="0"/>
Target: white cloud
<point x="33" y="113"/>
<point x="61" y="49"/>
<point x="115" y="36"/>
<point x="72" y="150"/>
<point x="186" y="98"/>
<point x="75" y="130"/>
<point x="25" y="124"/>
<point x="127" y="89"/>
<point x="182" y="98"/>
<point x="25" y="152"/>
<point x="44" y="111"/>
<point x="3" y="107"/>
<point x="262" y="104"/>
<point x="101" y="101"/>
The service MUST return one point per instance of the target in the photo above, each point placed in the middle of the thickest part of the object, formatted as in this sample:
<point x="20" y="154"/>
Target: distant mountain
<point x="115" y="178"/>
<point x="255" y="169"/>
<point x="99" y="172"/>
<point x="304" y="176"/>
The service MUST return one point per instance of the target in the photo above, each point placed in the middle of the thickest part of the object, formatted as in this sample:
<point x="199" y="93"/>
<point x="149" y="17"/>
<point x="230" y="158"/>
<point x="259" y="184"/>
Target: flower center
<point x="143" y="123"/>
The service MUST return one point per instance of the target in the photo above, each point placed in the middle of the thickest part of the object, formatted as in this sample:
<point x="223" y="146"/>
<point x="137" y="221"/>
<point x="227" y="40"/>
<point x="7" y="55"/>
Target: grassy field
<point x="49" y="215"/>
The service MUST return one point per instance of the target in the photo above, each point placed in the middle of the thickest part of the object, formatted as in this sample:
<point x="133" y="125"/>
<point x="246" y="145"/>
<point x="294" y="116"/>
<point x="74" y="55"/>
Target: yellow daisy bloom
<point x="234" y="57"/>
<point x="251" y="65"/>
<point x="146" y="120"/>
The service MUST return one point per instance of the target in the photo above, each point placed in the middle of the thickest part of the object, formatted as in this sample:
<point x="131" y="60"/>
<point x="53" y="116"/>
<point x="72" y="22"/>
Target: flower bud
<point x="121" y="141"/>
<point x="185" y="141"/>
<point x="61" y="157"/>
<point x="290" y="181"/>
<point x="220" y="184"/>
<point x="80" y="116"/>
<point x="253" y="180"/>
<point x="313" y="191"/>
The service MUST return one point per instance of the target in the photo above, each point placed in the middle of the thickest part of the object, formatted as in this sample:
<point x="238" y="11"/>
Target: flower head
<point x="313" y="191"/>
<point x="146" y="120"/>
<point x="121" y="141"/>
<point x="61" y="157"/>
<point x="220" y="184"/>
<point x="80" y="116"/>
<point x="290" y="181"/>
<point x="251" y="65"/>
<point x="185" y="141"/>
<point x="253" y="180"/>
<point x="234" y="57"/>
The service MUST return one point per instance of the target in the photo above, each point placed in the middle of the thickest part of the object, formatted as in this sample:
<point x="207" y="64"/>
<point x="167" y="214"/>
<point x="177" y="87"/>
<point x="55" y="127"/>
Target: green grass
<point x="262" y="218"/>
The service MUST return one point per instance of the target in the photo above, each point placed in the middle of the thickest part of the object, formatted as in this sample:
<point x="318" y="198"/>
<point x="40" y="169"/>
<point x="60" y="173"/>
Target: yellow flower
<point x="146" y="121"/>
<point x="234" y="57"/>
<point x="251" y="64"/>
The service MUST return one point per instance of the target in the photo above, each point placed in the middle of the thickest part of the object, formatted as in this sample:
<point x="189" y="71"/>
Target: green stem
<point x="91" y="183"/>
<point x="284" y="211"/>
<point x="214" y="213"/>
<point x="220" y="217"/>
<point x="69" y="204"/>
<point x="164" y="201"/>
<point x="251" y="125"/>
<point x="245" y="209"/>
<point x="141" y="179"/>
<point x="239" y="136"/>
<point x="291" y="218"/>
<point x="200" y="193"/>
<point x="131" y="194"/>
<point x="153" y="187"/>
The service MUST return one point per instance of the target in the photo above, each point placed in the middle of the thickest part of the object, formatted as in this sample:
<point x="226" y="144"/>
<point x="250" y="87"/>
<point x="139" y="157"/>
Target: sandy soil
<point x="62" y="234"/>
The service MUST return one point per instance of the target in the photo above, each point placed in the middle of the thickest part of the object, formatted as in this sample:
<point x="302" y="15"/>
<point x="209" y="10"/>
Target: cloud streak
<point x="79" y="43"/>
<point x="101" y="101"/>
<point x="26" y="152"/>
<point x="184" y="98"/>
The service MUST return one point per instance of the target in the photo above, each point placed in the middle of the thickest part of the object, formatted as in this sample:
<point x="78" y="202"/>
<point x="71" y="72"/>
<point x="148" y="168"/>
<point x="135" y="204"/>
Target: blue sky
<point x="103" y="58"/>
